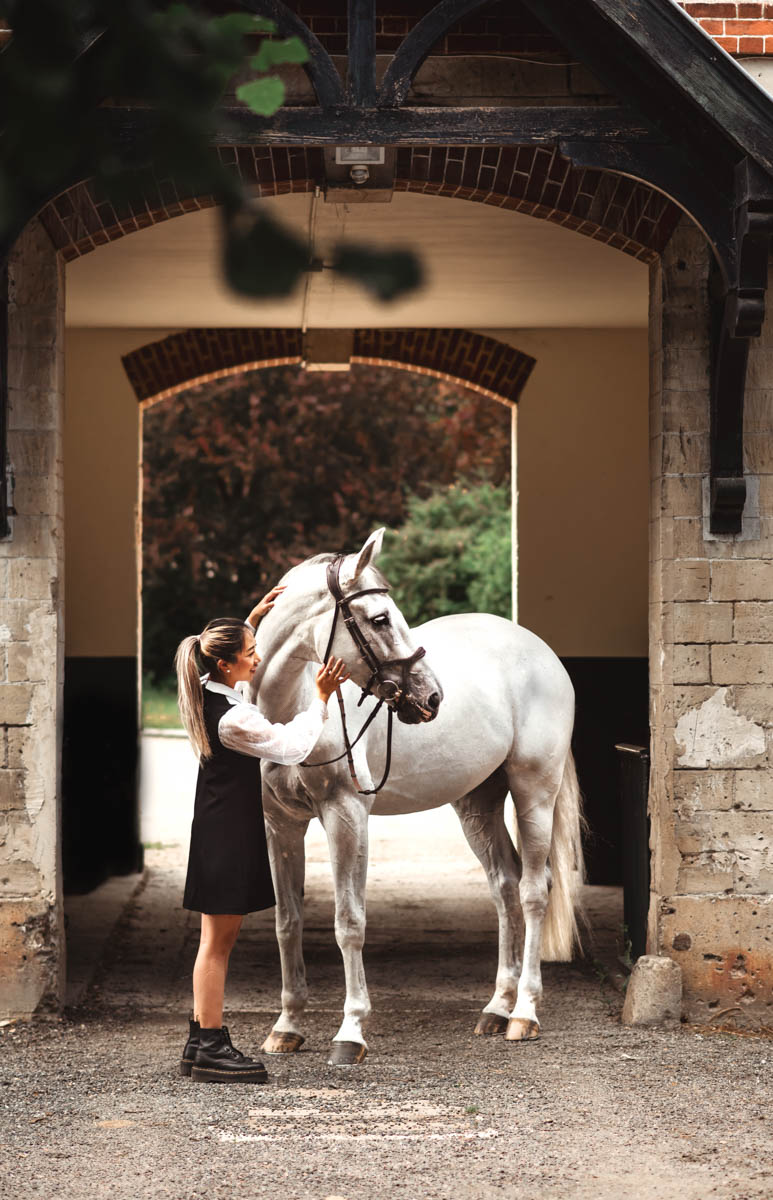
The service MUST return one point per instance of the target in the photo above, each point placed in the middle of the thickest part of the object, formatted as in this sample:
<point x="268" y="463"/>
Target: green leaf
<point x="386" y="273"/>
<point x="273" y="54"/>
<point x="262" y="96"/>
<point x="234" y="23"/>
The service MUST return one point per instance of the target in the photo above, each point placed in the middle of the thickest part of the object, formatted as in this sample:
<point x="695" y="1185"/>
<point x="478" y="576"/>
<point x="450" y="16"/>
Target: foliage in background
<point x="243" y="480"/>
<point x="452" y="554"/>
<point x="65" y="58"/>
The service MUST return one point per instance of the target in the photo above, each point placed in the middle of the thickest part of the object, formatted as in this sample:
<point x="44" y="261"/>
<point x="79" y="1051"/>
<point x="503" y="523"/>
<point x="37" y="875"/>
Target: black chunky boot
<point x="191" y="1046"/>
<point x="217" y="1061"/>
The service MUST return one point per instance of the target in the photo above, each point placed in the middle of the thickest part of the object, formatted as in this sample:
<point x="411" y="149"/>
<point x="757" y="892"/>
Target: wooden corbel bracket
<point x="738" y="312"/>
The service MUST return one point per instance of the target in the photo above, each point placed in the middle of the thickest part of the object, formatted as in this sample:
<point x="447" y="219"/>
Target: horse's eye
<point x="381" y="619"/>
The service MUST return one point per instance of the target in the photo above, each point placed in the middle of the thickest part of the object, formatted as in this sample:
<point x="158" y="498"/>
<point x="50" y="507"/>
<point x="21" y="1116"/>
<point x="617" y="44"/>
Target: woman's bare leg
<point x="218" y="934"/>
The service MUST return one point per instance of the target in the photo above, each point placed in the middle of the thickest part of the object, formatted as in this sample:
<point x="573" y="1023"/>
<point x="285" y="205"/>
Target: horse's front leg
<point x="288" y="865"/>
<point x="345" y="821"/>
<point x="481" y="813"/>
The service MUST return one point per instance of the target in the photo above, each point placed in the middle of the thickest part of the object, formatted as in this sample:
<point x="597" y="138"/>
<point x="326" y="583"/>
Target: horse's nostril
<point x="434" y="702"/>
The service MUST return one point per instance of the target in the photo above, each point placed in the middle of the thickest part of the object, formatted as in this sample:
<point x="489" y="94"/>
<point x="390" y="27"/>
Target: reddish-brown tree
<point x="243" y="479"/>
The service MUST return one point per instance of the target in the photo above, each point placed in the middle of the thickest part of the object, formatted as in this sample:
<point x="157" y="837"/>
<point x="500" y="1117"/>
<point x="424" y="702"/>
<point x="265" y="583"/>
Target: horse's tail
<point x="567" y="868"/>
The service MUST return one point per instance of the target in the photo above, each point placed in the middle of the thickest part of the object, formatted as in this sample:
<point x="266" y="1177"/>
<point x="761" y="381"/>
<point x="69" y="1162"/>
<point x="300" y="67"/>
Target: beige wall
<point x="101" y="457"/>
<point x="582" y="490"/>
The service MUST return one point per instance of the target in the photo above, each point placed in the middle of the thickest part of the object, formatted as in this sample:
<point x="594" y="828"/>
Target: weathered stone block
<point x="685" y="453"/>
<point x="15" y="618"/>
<point x="15" y="700"/>
<point x="11" y="790"/>
<point x="742" y="664"/>
<point x="685" y="409"/>
<point x="754" y="790"/>
<point x="27" y="663"/>
<point x="35" y="537"/>
<point x="688" y="537"/>
<point x="21" y="742"/>
<point x="710" y="732"/>
<point x="689" y="580"/>
<point x="753" y="622"/>
<point x="680" y="496"/>
<point x="691" y="664"/>
<point x="758" y="453"/>
<point x="19" y="879"/>
<point x="26" y="974"/>
<point x="705" y="790"/>
<point x="750" y="579"/>
<point x="706" y="874"/>
<point x="33" y="410"/>
<point x="30" y="578"/>
<point x="711" y="622"/>
<point x="728" y="965"/>
<point x="32" y="453"/>
<point x="654" y="992"/>
<point x="755" y="701"/>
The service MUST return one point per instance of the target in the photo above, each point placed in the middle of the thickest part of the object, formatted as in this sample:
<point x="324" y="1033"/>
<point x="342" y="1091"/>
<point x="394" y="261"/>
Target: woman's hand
<point x="264" y="606"/>
<point x="332" y="674"/>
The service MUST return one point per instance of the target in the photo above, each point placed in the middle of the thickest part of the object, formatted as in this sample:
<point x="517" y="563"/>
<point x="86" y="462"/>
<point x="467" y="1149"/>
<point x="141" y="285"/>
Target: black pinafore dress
<point x="228" y="866"/>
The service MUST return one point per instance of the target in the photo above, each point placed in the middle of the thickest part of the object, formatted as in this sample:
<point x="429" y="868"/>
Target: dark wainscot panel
<point x="100" y="808"/>
<point x="612" y="706"/>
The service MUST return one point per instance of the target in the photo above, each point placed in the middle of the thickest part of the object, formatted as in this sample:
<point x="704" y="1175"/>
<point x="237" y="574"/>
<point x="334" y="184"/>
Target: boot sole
<point x="186" y="1066"/>
<point x="216" y="1075"/>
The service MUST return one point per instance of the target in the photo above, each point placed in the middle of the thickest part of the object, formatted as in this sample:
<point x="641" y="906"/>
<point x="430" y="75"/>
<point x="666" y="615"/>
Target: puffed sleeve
<point x="245" y="729"/>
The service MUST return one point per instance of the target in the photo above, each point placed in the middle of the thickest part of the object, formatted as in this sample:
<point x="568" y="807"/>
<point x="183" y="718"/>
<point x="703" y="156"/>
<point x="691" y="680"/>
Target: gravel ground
<point x="92" y="1106"/>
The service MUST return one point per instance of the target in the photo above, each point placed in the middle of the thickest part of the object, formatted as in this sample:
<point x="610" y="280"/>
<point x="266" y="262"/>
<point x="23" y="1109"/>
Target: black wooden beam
<point x="416" y="46"/>
<point x="738" y="305"/>
<point x="320" y="68"/>
<point x="5" y="527"/>
<point x="361" y="57"/>
<point x="346" y="125"/>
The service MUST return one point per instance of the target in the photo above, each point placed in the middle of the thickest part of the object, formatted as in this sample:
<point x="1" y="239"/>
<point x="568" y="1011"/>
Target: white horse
<point x="503" y="722"/>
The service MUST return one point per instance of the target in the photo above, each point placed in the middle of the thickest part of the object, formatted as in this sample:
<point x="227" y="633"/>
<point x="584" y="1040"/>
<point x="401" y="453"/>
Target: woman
<point x="228" y="868"/>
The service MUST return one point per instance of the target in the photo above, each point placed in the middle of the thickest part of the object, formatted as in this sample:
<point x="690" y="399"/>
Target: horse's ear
<point x="353" y="568"/>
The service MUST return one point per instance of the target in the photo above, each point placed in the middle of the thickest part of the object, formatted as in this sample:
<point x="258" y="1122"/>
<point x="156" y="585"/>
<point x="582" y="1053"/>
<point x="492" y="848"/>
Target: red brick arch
<point x="182" y="360"/>
<point x="623" y="213"/>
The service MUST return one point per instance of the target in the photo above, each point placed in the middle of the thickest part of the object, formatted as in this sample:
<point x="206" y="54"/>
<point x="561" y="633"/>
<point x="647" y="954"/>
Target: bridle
<point x="387" y="691"/>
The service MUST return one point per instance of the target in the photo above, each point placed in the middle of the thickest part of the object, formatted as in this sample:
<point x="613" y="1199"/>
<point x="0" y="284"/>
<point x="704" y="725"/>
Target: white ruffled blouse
<point x="245" y="729"/>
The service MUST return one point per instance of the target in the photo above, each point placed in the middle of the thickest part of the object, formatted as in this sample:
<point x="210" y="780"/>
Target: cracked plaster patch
<point x="715" y="734"/>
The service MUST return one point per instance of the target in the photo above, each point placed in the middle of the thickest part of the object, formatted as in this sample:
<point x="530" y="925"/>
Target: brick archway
<point x="540" y="182"/>
<point x="483" y="364"/>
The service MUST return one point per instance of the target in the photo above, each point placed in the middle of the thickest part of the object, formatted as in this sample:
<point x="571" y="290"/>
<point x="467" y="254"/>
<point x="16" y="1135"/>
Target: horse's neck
<point x="285" y="678"/>
<point x="287" y="686"/>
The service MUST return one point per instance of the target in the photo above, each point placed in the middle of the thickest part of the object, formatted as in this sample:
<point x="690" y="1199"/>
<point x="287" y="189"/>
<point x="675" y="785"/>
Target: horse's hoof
<point x="347" y="1054"/>
<point x="490" y="1025"/>
<point x="282" y="1043"/>
<point x="521" y="1030"/>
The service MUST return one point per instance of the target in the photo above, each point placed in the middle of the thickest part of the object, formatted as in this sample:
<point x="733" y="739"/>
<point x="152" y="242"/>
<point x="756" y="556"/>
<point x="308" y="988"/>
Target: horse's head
<point x="403" y="677"/>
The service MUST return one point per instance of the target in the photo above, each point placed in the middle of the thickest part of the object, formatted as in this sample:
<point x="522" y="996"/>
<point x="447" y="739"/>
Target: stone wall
<point x="31" y="635"/>
<point x="711" y="665"/>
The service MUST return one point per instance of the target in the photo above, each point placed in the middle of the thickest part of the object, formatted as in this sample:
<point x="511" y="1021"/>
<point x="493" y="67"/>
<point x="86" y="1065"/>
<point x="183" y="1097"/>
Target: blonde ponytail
<point x="222" y="638"/>
<point x="190" y="696"/>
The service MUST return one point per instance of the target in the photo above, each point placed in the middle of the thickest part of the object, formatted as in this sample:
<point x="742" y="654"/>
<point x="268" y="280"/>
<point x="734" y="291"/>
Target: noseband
<point x="387" y="691"/>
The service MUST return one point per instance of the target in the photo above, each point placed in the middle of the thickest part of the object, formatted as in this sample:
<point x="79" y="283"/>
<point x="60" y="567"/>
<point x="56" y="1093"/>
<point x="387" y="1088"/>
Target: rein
<point x="387" y="692"/>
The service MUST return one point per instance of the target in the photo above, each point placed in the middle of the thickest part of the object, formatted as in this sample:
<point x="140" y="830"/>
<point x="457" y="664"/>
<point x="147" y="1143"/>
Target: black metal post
<point x="634" y="764"/>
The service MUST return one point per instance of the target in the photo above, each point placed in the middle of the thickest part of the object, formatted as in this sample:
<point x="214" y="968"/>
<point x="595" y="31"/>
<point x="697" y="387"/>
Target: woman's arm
<point x="245" y="729"/>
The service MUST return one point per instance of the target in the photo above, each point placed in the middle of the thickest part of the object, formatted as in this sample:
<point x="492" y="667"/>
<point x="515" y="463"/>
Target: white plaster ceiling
<point x="484" y="267"/>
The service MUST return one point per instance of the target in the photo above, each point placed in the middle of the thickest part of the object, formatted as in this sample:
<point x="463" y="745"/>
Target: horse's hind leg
<point x="482" y="816"/>
<point x="534" y="794"/>
<point x="288" y="867"/>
